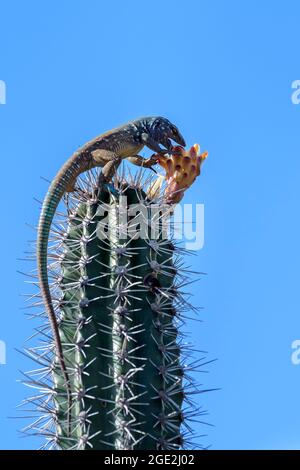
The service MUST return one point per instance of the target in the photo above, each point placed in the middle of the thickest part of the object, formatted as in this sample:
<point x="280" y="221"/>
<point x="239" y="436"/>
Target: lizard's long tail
<point x="77" y="164"/>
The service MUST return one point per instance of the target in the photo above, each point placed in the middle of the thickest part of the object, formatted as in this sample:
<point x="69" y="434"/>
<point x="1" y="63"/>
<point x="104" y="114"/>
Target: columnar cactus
<point x="117" y="279"/>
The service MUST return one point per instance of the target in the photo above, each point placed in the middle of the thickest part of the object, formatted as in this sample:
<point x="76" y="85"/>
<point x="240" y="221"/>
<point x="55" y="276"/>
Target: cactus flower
<point x="182" y="168"/>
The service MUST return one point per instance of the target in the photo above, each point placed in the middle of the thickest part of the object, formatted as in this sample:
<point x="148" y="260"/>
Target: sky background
<point x="222" y="71"/>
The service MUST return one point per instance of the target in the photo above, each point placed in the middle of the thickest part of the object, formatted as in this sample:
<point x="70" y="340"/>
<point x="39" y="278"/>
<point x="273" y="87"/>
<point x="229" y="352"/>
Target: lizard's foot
<point x="106" y="185"/>
<point x="71" y="186"/>
<point x="109" y="187"/>
<point x="150" y="162"/>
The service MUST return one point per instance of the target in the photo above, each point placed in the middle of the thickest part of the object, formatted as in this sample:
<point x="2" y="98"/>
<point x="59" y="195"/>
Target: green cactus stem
<point x="119" y="309"/>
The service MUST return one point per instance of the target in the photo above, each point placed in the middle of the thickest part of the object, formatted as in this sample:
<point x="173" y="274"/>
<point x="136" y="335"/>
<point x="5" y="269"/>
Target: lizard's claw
<point x="153" y="169"/>
<point x="162" y="152"/>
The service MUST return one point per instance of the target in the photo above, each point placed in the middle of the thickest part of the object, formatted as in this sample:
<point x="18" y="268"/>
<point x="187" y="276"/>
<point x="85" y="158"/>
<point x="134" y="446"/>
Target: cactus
<point x="117" y="283"/>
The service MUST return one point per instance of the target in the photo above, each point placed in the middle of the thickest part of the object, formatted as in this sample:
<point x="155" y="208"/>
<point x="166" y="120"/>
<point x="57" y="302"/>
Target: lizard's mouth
<point x="180" y="141"/>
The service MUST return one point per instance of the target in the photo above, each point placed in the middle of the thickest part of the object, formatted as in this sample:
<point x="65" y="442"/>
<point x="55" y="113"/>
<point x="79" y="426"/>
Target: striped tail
<point x="72" y="168"/>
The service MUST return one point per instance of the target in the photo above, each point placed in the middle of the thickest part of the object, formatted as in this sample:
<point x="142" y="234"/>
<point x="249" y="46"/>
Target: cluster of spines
<point x="119" y="307"/>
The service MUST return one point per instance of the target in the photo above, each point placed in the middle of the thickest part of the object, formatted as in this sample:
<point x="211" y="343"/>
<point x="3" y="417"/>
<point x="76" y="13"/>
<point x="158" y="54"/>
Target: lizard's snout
<point x="180" y="141"/>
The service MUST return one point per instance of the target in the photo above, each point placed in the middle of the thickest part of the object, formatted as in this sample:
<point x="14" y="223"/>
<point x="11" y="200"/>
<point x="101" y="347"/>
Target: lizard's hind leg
<point x="109" y="162"/>
<point x="71" y="186"/>
<point x="109" y="169"/>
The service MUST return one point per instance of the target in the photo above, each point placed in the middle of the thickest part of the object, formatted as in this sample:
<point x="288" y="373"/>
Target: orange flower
<point x="182" y="169"/>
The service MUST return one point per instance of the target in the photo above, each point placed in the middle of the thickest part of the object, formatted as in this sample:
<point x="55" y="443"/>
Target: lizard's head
<point x="163" y="131"/>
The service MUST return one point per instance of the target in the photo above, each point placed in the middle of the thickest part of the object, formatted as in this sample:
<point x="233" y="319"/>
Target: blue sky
<point x="223" y="72"/>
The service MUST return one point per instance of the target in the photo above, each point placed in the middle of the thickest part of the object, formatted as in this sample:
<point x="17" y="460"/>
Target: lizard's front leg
<point x="71" y="186"/>
<point x="144" y="162"/>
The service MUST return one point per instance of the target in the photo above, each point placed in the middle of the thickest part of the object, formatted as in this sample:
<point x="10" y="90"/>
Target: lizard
<point x="107" y="151"/>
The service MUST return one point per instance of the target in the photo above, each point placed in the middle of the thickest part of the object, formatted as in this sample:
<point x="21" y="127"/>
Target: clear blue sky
<point x="222" y="70"/>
